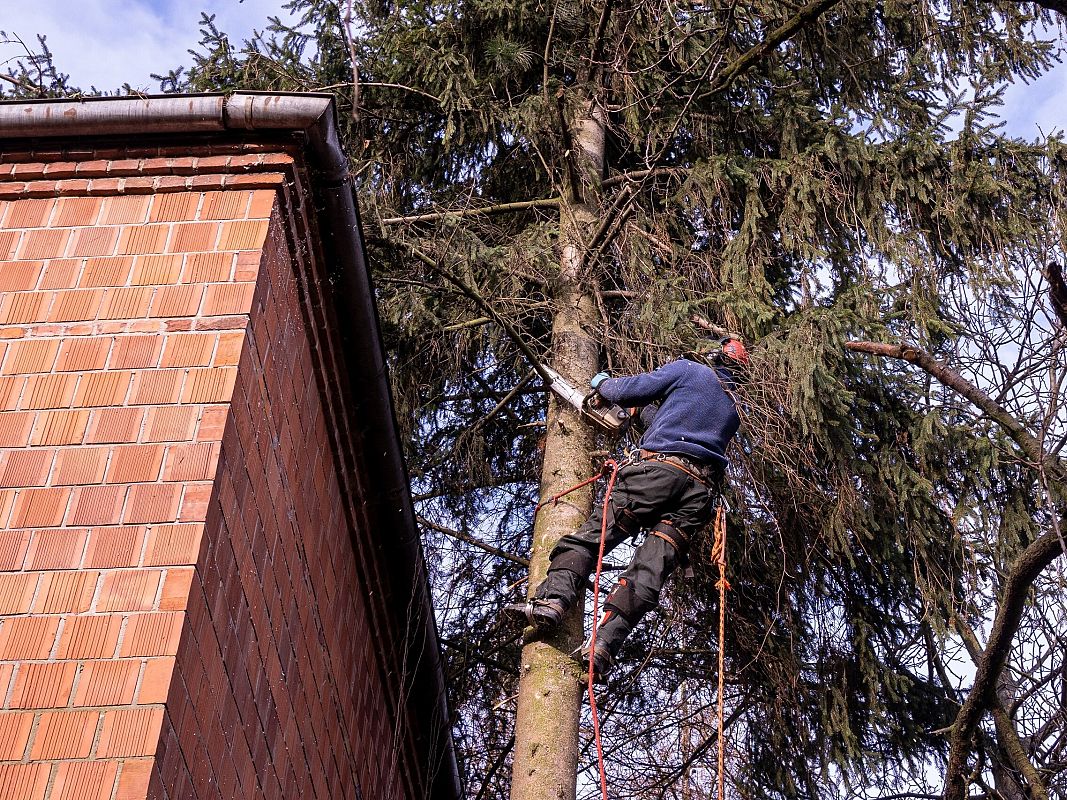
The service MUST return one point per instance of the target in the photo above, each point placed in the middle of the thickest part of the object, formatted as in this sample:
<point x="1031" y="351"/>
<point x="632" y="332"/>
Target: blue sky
<point x="106" y="42"/>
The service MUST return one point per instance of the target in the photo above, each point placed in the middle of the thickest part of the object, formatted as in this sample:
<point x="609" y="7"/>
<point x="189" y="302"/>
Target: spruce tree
<point x="621" y="181"/>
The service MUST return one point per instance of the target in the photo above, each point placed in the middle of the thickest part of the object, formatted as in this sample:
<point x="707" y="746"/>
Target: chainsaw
<point x="592" y="406"/>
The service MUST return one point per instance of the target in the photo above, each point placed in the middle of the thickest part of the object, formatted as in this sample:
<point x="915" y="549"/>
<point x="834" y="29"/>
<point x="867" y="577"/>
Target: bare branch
<point x="502" y="208"/>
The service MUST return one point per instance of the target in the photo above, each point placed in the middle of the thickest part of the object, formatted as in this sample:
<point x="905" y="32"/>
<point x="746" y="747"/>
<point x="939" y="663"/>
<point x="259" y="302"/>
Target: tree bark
<point x="550" y="685"/>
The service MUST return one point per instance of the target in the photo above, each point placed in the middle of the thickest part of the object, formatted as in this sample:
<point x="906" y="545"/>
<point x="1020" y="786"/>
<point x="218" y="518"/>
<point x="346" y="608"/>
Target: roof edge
<point x="313" y="114"/>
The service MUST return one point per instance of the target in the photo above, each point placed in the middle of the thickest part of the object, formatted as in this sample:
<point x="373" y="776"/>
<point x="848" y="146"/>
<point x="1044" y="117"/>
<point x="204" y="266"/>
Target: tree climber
<point x="667" y="487"/>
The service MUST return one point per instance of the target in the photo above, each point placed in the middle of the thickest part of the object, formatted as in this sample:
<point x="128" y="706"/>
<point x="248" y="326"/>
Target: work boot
<point x="603" y="660"/>
<point x="544" y="615"/>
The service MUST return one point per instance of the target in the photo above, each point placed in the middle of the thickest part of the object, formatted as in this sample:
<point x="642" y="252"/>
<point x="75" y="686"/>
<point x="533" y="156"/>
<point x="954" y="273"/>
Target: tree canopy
<point x="828" y="180"/>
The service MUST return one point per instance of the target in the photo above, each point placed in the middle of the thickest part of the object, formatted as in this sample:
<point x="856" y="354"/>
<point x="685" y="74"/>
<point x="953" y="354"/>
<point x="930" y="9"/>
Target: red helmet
<point x="733" y="351"/>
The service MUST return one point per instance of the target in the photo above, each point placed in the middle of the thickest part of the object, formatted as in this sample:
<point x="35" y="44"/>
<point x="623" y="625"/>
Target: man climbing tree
<point x="666" y="487"/>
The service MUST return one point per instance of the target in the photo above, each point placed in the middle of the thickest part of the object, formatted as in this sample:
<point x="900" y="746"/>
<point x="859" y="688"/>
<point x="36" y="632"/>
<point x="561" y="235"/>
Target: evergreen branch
<point x="1038" y="555"/>
<point x="486" y="306"/>
<point x="809" y="13"/>
<point x="502" y="208"/>
<point x="463" y="537"/>
<point x="1027" y="442"/>
<point x="1059" y="6"/>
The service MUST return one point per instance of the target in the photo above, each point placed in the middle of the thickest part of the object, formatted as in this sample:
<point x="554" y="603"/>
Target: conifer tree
<point x="827" y="179"/>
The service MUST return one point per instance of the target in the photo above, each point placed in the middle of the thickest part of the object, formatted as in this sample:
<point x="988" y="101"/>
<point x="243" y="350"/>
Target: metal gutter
<point x="388" y="499"/>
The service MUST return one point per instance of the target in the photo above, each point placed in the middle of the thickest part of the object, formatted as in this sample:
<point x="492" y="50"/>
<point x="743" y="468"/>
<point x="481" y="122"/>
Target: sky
<point x="104" y="43"/>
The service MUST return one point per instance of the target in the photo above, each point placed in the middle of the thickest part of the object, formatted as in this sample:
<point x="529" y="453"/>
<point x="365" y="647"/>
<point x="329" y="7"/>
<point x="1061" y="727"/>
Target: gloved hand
<point x="598" y="379"/>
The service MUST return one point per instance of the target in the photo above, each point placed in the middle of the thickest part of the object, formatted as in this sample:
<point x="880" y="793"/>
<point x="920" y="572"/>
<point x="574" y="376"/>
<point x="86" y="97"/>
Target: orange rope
<point x="718" y="554"/>
<point x="592" y="635"/>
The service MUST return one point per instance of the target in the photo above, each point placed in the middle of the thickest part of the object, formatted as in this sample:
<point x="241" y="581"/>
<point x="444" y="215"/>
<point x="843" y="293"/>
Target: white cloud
<point x="105" y="43"/>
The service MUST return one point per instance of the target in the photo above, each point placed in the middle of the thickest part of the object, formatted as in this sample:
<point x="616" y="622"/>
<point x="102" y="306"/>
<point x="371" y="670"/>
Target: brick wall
<point x="181" y="607"/>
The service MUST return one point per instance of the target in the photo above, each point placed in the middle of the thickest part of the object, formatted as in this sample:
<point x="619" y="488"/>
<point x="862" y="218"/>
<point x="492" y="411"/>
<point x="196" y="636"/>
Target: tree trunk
<point x="550" y="681"/>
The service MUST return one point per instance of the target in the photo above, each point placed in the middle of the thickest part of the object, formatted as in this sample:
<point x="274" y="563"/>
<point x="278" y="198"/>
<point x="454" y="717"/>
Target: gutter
<point x="388" y="498"/>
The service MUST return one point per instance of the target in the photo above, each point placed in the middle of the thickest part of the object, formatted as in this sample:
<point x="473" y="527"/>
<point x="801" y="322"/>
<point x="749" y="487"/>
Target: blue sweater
<point x="696" y="418"/>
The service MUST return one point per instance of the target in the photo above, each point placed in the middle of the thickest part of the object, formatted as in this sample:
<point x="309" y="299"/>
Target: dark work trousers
<point x="652" y="495"/>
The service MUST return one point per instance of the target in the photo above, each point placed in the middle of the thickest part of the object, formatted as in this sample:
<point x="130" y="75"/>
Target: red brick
<point x="19" y="276"/>
<point x="152" y="502"/>
<point x="79" y="465"/>
<point x="195" y="502"/>
<point x="65" y="592"/>
<point x="28" y="213"/>
<point x="228" y="352"/>
<point x="76" y="212"/>
<point x="55" y="549"/>
<point x="103" y="388"/>
<point x="212" y="424"/>
<point x="243" y="235"/>
<point x="174" y="207"/>
<point x="59" y="427"/>
<point x="31" y="355"/>
<point x="263" y="202"/>
<point x="230" y="323"/>
<point x="19" y="468"/>
<point x="22" y="307"/>
<point x="24" y="638"/>
<point x="171" y="424"/>
<point x="125" y="210"/>
<point x="13" y="547"/>
<point x="74" y="305"/>
<point x="64" y="734"/>
<point x="12" y="333"/>
<point x="175" y="594"/>
<point x="177" y="301"/>
<point x="11" y="390"/>
<point x="96" y="505"/>
<point x="89" y="636"/>
<point x="60" y="169"/>
<point x="24" y="781"/>
<point x="107" y="683"/>
<point x="170" y="545"/>
<point x="61" y="273"/>
<point x="126" y="303"/>
<point x="228" y="298"/>
<point x="137" y="239"/>
<point x="153" y="634"/>
<point x="133" y="732"/>
<point x="156" y="269"/>
<point x="128" y="590"/>
<point x="99" y="241"/>
<point x="48" y="391"/>
<point x="16" y="592"/>
<point x="43" y="685"/>
<point x="44" y="243"/>
<point x="108" y="271"/>
<point x="39" y="508"/>
<point x="224" y="205"/>
<point x="204" y="268"/>
<point x="84" y="780"/>
<point x="115" y="547"/>
<point x="15" y="428"/>
<point x="188" y="350"/>
<point x="211" y="385"/>
<point x="14" y="736"/>
<point x="83" y="354"/>
<point x="134" y="779"/>
<point x="193" y="462"/>
<point x="135" y="463"/>
<point x="114" y="425"/>
<point x="156" y="387"/>
<point x="194" y="237"/>
<point x="136" y="352"/>
<point x="156" y="680"/>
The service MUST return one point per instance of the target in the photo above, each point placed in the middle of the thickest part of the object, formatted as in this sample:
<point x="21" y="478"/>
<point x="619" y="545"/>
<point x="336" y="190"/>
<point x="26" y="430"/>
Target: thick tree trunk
<point x="550" y="683"/>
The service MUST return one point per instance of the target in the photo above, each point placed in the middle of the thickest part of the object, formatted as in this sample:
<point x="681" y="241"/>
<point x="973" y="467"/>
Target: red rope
<point x="592" y="636"/>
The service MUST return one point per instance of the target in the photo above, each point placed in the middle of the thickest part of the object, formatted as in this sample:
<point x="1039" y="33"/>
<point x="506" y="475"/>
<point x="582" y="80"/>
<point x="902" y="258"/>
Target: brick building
<point x="211" y="584"/>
